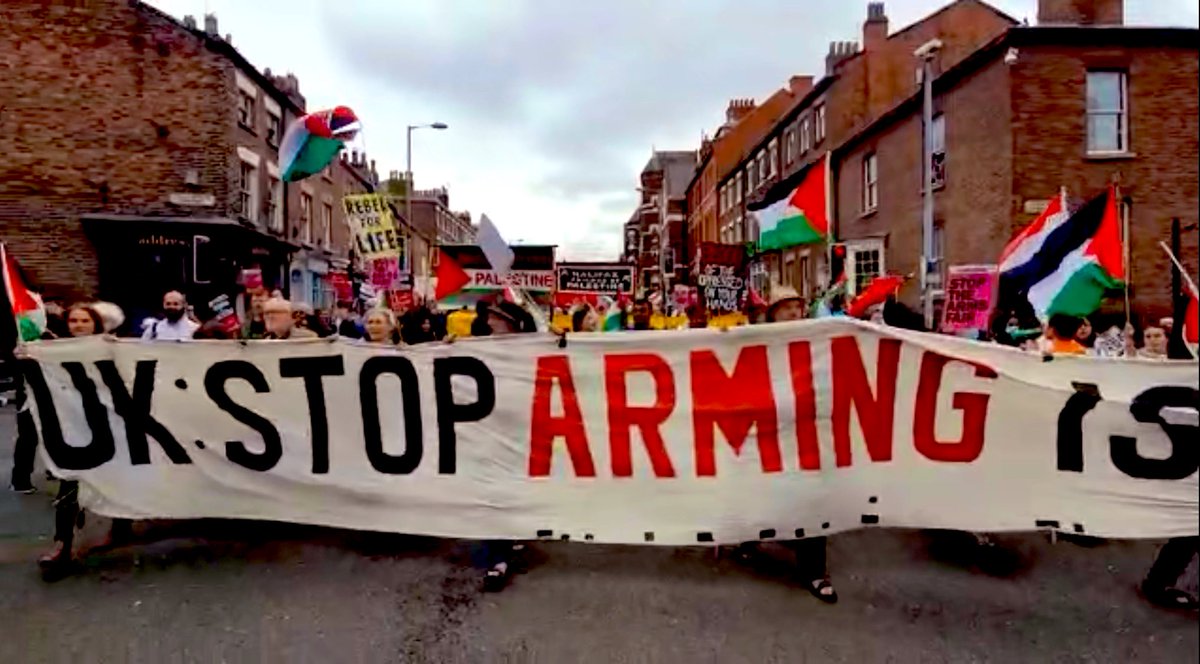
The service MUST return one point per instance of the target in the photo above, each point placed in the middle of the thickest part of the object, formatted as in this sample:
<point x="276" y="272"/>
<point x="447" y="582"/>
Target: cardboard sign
<point x="722" y="276"/>
<point x="251" y="279"/>
<point x="763" y="432"/>
<point x="375" y="231"/>
<point x="968" y="304"/>
<point x="342" y="288"/>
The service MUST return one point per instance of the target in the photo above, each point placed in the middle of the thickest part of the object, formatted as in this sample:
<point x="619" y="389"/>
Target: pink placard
<point x="969" y="292"/>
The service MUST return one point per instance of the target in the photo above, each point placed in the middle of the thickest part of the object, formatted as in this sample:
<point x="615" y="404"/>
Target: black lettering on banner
<point x="135" y="410"/>
<point x="1070" y="426"/>
<point x="101" y="449"/>
<point x="449" y="412"/>
<point x="312" y="370"/>
<point x="214" y="384"/>
<point x="368" y="394"/>
<point x="1147" y="408"/>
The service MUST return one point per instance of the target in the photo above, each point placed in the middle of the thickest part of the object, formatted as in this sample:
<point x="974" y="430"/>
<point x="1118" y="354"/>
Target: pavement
<point x="224" y="591"/>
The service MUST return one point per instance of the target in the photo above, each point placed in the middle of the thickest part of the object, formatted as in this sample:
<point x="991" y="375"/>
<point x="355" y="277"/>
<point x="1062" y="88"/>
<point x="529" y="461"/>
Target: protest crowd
<point x="269" y="316"/>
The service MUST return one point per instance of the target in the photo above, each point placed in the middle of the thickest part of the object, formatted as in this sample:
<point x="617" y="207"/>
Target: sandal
<point x="817" y="585"/>
<point x="496" y="578"/>
<point x="1169" y="598"/>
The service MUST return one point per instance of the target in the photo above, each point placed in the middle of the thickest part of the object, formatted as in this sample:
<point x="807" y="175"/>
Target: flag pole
<point x="1186" y="277"/>
<point x="1125" y="242"/>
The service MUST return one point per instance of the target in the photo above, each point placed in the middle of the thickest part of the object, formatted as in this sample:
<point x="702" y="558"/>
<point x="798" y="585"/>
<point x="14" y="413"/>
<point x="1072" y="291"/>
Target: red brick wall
<point x="1161" y="178"/>
<point x="106" y="109"/>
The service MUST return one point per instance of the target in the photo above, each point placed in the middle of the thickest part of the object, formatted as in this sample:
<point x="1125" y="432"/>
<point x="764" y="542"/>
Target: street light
<point x="926" y="53"/>
<point x="408" y="173"/>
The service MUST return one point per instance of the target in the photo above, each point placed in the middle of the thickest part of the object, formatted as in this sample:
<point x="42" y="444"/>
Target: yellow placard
<point x="375" y="232"/>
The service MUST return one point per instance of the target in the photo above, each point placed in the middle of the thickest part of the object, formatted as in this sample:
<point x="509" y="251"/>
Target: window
<point x="789" y="268"/>
<point x="819" y="121"/>
<point x="937" y="152"/>
<point x="274" y="129"/>
<point x="789" y="146"/>
<point x="246" y="109"/>
<point x="275" y="204"/>
<point x="870" y="183"/>
<point x="762" y="168"/>
<point x="737" y="188"/>
<point x="751" y="181"/>
<point x="773" y="156"/>
<point x="937" y="260"/>
<point x="866" y="264"/>
<point x="805" y="135"/>
<point x="1107" y="125"/>
<point x="804" y="284"/>
<point x="248" y="192"/>
<point x="327" y="224"/>
<point x="306" y="230"/>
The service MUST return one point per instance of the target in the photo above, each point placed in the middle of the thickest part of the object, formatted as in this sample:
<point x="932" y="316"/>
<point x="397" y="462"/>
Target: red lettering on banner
<point x="733" y="403"/>
<point x="800" y="360"/>
<point x="622" y="417"/>
<point x="546" y="428"/>
<point x="851" y="388"/>
<point x="972" y="404"/>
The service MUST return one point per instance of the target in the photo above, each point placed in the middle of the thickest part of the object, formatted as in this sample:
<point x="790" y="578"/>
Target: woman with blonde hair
<point x="380" y="327"/>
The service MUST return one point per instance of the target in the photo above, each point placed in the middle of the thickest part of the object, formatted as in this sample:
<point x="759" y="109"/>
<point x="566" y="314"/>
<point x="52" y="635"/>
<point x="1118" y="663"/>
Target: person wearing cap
<point x="280" y="324"/>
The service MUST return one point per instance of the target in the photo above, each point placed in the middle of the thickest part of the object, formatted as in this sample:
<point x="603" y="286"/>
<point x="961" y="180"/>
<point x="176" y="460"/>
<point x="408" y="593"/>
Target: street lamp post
<point x="408" y="172"/>
<point x="926" y="53"/>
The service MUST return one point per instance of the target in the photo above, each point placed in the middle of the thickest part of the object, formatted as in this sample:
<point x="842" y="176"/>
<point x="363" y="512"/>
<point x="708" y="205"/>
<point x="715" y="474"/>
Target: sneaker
<point x="25" y="489"/>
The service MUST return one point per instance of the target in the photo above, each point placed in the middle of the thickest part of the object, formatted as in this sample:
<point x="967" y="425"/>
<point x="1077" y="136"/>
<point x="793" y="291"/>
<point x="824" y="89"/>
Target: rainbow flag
<point x="25" y="304"/>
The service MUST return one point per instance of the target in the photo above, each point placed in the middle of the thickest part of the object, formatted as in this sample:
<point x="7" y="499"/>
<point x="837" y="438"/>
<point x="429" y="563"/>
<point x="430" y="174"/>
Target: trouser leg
<point x="811" y="557"/>
<point x="1172" y="560"/>
<point x="24" y="450"/>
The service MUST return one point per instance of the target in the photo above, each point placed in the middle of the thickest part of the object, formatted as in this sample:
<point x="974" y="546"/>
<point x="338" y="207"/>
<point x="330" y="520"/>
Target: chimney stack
<point x="189" y="22"/>
<point x="875" y="28"/>
<point x="210" y="25"/>
<point x="738" y="109"/>
<point x="800" y="85"/>
<point x="1081" y="12"/>
<point x="838" y="51"/>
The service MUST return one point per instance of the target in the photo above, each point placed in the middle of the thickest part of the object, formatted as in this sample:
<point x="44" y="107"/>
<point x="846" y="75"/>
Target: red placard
<point x="401" y="300"/>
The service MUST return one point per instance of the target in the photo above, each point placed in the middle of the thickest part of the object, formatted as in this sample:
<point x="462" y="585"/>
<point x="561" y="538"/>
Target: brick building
<point x="1077" y="101"/>
<point x="659" y="222"/>
<point x="433" y="224"/>
<point x="142" y="155"/>
<point x="860" y="84"/>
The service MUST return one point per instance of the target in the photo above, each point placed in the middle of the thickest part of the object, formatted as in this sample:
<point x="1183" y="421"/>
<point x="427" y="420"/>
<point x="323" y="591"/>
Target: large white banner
<point x="767" y="432"/>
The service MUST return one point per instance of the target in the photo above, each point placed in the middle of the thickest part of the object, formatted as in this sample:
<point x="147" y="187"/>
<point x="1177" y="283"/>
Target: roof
<point x="1076" y="35"/>
<point x="677" y="167"/>
<point x="803" y="104"/>
<point x="218" y="45"/>
<point x="729" y="150"/>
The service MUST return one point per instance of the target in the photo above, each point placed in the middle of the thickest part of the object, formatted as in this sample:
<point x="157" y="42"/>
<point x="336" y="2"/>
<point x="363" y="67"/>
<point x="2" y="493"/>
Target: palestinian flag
<point x="801" y="217"/>
<point x="26" y="305"/>
<point x="1067" y="263"/>
<point x="451" y="277"/>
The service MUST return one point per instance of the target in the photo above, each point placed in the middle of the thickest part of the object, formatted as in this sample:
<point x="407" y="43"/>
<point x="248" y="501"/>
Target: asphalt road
<point x="254" y="592"/>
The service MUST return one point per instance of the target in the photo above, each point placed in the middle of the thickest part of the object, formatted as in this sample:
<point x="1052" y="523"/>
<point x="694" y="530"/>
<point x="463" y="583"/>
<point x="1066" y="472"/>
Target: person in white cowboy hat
<point x="786" y="305"/>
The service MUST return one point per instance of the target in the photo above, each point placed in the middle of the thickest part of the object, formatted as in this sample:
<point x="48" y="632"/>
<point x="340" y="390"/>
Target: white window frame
<point x="938" y="260"/>
<point x="819" y="123"/>
<point x="870" y="182"/>
<point x="1121" y="112"/>
<point x="274" y="128"/>
<point x="306" y="220"/>
<point x="937" y="152"/>
<point x="737" y="187"/>
<point x="773" y="157"/>
<point x="246" y="109"/>
<point x="789" y="146"/>
<point x="853" y="249"/>
<point x="805" y="134"/>
<point x="327" y="223"/>
<point x="248" y="190"/>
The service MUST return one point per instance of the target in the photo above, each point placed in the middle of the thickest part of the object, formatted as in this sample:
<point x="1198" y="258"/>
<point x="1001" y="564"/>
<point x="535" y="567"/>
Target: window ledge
<point x="1110" y="156"/>
<point x="869" y="213"/>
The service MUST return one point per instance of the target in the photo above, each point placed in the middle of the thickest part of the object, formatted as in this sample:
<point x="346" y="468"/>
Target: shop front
<point x="141" y="258"/>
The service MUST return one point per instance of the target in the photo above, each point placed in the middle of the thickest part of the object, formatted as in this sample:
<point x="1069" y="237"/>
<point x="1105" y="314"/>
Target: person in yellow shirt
<point x="1061" y="333"/>
<point x="458" y="323"/>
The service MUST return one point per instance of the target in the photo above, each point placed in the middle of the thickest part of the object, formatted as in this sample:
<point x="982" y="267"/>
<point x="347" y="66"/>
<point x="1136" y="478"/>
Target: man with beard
<point x="174" y="325"/>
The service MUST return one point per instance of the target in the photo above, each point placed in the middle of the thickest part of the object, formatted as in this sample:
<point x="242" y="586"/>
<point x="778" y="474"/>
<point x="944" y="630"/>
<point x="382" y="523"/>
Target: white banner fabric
<point x="767" y="432"/>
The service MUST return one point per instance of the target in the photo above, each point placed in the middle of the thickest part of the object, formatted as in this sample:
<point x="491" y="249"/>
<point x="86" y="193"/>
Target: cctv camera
<point x="1010" y="58"/>
<point x="926" y="50"/>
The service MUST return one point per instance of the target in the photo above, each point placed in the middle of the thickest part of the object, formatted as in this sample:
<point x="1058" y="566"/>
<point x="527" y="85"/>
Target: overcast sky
<point x="554" y="106"/>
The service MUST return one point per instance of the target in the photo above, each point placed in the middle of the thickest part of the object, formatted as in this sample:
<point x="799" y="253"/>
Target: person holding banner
<point x="83" y="320"/>
<point x="381" y="328"/>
